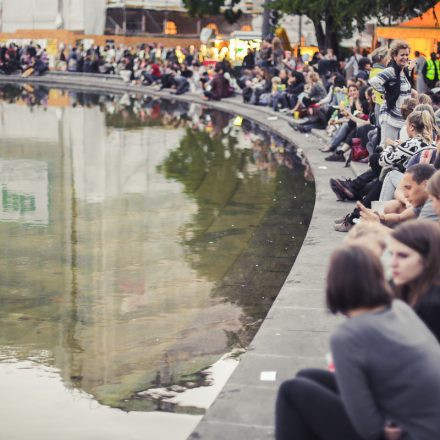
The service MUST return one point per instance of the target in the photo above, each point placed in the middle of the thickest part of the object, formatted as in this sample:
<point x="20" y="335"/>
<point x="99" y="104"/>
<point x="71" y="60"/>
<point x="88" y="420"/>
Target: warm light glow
<point x="170" y="28"/>
<point x="214" y="27"/>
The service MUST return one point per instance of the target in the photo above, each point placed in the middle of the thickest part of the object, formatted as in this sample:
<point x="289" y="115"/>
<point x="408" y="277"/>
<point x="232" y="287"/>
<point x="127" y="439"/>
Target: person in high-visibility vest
<point x="380" y="59"/>
<point x="431" y="71"/>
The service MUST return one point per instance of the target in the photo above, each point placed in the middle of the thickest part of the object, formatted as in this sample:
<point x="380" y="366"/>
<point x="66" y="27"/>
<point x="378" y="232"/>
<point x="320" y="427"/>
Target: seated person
<point x="386" y="383"/>
<point x="415" y="256"/>
<point x="415" y="195"/>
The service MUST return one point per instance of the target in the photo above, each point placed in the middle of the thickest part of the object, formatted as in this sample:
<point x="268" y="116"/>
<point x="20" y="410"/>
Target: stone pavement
<point x="296" y="331"/>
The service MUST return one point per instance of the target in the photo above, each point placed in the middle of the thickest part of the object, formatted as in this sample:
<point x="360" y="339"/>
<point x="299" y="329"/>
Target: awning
<point x="401" y="32"/>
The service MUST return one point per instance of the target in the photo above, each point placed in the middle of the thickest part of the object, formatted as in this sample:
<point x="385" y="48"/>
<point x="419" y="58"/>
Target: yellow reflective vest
<point x="431" y="70"/>
<point x="377" y="68"/>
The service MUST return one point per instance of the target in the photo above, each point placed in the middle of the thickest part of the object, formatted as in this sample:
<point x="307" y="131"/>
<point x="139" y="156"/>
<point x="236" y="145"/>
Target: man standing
<point x="431" y="71"/>
<point x="421" y="86"/>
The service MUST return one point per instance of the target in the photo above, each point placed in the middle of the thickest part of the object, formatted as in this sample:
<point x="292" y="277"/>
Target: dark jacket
<point x="220" y="87"/>
<point x="392" y="86"/>
<point x="428" y="309"/>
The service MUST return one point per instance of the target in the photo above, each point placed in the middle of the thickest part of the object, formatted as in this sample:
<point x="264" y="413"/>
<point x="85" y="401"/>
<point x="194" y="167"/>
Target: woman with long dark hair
<point x="415" y="264"/>
<point x="386" y="383"/>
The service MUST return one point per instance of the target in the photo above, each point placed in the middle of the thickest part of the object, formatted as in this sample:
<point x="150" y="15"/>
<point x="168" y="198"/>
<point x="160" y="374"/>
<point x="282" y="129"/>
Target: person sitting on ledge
<point x="386" y="383"/>
<point x="220" y="87"/>
<point x="414" y="201"/>
<point x="415" y="249"/>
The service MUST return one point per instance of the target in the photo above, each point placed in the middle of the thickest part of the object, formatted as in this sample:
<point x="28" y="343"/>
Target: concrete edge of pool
<point x="296" y="330"/>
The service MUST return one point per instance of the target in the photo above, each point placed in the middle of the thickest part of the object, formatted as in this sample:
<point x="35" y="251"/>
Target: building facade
<point x="169" y="17"/>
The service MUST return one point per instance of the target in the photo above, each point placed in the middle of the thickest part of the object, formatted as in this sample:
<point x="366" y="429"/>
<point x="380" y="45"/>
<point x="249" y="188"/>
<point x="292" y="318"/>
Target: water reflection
<point x="142" y="239"/>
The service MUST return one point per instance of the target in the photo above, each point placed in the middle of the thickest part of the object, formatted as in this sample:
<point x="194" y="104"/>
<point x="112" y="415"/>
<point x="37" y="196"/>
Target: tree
<point x="334" y="20"/>
<point x="202" y="8"/>
<point x="337" y="19"/>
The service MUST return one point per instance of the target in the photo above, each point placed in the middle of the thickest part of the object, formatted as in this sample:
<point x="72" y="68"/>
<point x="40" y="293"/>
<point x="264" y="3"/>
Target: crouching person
<point x="387" y="382"/>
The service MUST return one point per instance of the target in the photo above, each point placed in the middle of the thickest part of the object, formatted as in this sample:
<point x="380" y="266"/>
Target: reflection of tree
<point x="249" y="208"/>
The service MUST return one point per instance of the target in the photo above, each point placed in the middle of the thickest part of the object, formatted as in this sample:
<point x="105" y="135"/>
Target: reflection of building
<point x="24" y="191"/>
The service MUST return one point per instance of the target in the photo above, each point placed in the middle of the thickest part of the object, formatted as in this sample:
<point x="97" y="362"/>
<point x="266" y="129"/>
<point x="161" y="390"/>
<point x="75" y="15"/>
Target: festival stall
<point x="422" y="33"/>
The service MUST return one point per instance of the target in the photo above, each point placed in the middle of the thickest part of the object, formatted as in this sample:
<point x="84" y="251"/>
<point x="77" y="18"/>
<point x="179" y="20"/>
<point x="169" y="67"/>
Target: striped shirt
<point x="391" y="117"/>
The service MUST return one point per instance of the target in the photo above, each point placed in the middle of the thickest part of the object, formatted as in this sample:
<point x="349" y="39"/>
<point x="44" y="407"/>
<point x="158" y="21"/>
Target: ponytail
<point x="423" y="123"/>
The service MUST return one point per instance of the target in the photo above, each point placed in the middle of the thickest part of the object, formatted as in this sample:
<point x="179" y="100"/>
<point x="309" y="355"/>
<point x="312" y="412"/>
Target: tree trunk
<point x="320" y="36"/>
<point x="332" y="38"/>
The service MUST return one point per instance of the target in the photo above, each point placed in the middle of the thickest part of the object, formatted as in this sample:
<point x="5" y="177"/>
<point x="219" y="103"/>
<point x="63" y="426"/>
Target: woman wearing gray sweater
<point x="387" y="379"/>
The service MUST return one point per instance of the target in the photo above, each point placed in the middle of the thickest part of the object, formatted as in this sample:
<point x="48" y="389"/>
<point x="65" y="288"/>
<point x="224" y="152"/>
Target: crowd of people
<point x="383" y="381"/>
<point x="380" y="108"/>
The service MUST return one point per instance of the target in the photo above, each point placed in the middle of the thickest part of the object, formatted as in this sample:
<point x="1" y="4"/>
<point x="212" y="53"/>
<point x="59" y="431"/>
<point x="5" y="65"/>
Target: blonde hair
<point x="433" y="187"/>
<point x="276" y="43"/>
<point x="379" y="54"/>
<point x="423" y="123"/>
<point x="314" y="77"/>
<point x="397" y="45"/>
<point x="423" y="98"/>
<point x="374" y="231"/>
<point x="408" y="106"/>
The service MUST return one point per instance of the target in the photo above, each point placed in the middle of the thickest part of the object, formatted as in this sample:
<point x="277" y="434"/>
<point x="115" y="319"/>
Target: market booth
<point x="421" y="33"/>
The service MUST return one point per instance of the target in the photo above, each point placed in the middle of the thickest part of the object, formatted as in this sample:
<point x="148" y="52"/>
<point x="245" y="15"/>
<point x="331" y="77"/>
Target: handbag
<point x="358" y="152"/>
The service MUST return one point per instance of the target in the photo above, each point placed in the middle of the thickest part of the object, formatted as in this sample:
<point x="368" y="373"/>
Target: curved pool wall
<point x="296" y="330"/>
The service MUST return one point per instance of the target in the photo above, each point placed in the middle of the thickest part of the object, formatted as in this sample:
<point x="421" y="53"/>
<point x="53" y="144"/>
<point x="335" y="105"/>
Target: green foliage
<point x="392" y="11"/>
<point x="342" y="14"/>
<point x="341" y="17"/>
<point x="202" y="8"/>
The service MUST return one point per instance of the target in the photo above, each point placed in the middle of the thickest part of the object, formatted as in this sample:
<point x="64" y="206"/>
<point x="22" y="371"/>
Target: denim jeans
<point x="390" y="183"/>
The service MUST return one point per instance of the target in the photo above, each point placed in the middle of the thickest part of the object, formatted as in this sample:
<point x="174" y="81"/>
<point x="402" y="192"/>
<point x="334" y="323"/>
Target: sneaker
<point x="335" y="157"/>
<point x="342" y="189"/>
<point x="340" y="196"/>
<point x="326" y="148"/>
<point x="347" y="188"/>
<point x="294" y="125"/>
<point x="345" y="226"/>
<point x="340" y="220"/>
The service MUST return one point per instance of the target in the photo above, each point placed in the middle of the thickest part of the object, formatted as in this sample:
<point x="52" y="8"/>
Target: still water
<point x="142" y="244"/>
